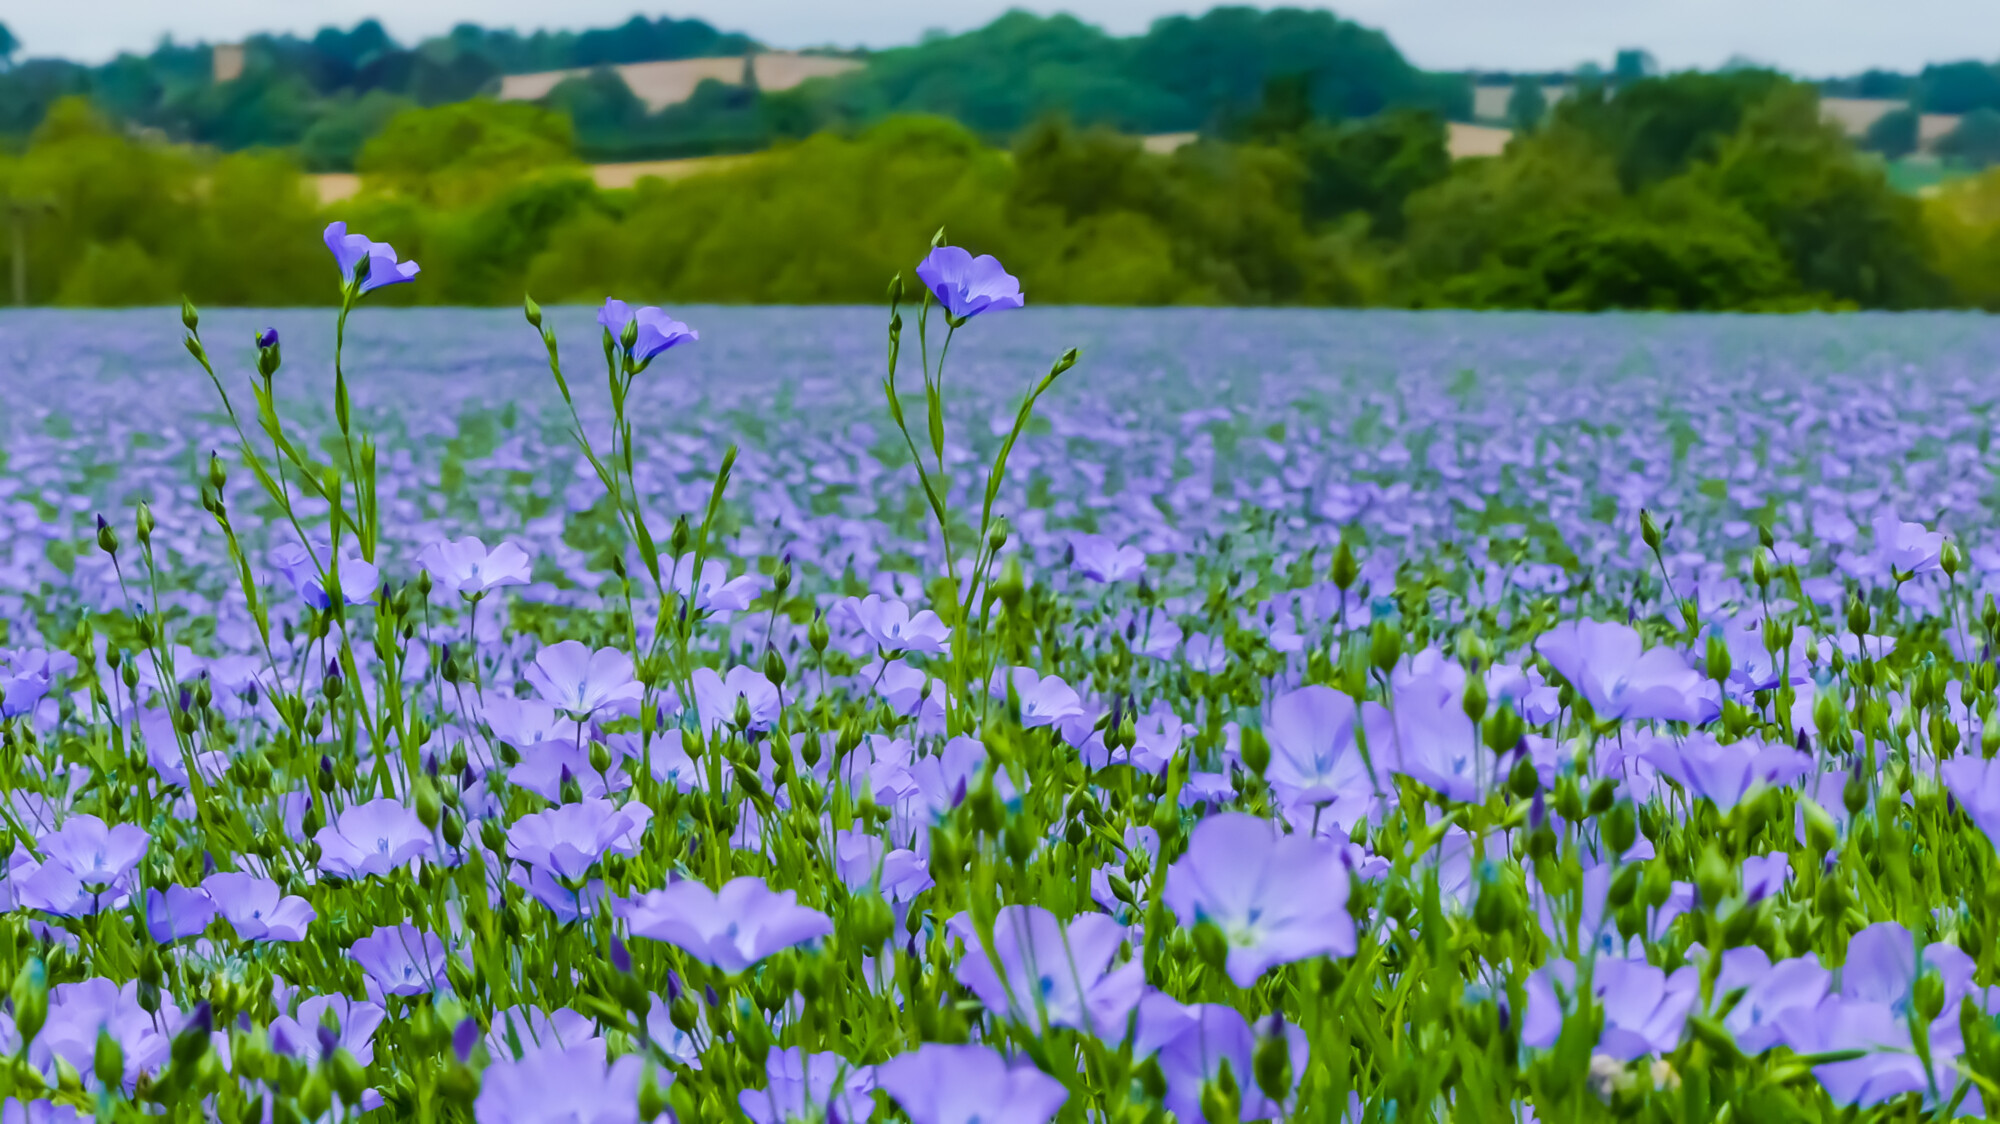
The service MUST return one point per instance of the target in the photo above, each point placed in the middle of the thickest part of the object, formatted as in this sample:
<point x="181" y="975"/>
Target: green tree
<point x="1527" y="105"/>
<point x="255" y="239"/>
<point x="1959" y="87"/>
<point x="1894" y="134"/>
<point x="824" y="220"/>
<point x="1976" y="140"/>
<point x="122" y="213"/>
<point x="1675" y="249"/>
<point x="479" y="256"/>
<point x="453" y="154"/>
<point x="1658" y="127"/>
<point x="607" y="115"/>
<point x="8" y="45"/>
<point x="1372" y="166"/>
<point x="266" y="107"/>
<point x="999" y="78"/>
<point x="1456" y="225"/>
<point x="1845" y="230"/>
<point x="1963" y="218"/>
<point x="1223" y="58"/>
<point x="334" y="142"/>
<point x="1633" y="65"/>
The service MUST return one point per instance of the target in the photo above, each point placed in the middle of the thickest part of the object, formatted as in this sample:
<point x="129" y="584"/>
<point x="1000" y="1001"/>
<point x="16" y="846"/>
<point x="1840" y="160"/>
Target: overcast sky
<point x="1810" y="37"/>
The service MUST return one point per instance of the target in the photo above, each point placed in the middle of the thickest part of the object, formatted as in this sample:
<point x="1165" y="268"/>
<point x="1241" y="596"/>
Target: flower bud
<point x="145" y="524"/>
<point x="107" y="539"/>
<point x="774" y="667"/>
<point x="190" y="319"/>
<point x="1211" y="945"/>
<point x="493" y="834"/>
<point x="349" y="1079"/>
<point x="192" y="1041"/>
<point x="1473" y="701"/>
<point x="817" y="635"/>
<point x="1928" y="994"/>
<point x="269" y="356"/>
<point x="1221" y="1101"/>
<point x="1256" y="751"/>
<point x="1649" y="530"/>
<point x="1523" y="781"/>
<point x="1620" y="827"/>
<point x="652" y="1099"/>
<point x="1821" y="831"/>
<point x="109" y="1061"/>
<point x="533" y="312"/>
<point x="1012" y="585"/>
<point x="31" y="999"/>
<point x="1385" y="646"/>
<point x="997" y="536"/>
<point x="1854" y="794"/>
<point x="429" y="804"/>
<point x="1714" y="878"/>
<point x="1498" y="907"/>
<point x="1717" y="658"/>
<point x="1624" y="886"/>
<point x="1272" y="1064"/>
<point x="1857" y="616"/>
<point x="1503" y="730"/>
<point x="1345" y="568"/>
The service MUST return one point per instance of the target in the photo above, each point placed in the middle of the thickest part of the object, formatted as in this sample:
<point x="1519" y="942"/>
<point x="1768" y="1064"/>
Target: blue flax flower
<point x="732" y="929"/>
<point x="350" y="250"/>
<point x="938" y="1084"/>
<point x="1050" y="974"/>
<point x="968" y="286"/>
<point x="562" y="1083"/>
<point x="657" y="331"/>
<point x="1276" y="898"/>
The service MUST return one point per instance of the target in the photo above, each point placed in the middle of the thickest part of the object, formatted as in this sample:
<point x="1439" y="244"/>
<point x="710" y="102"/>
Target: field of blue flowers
<point x="835" y="715"/>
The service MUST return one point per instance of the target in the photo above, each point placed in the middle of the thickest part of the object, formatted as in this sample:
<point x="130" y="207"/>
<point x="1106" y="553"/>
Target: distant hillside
<point x="324" y="96"/>
<point x="1187" y="72"/>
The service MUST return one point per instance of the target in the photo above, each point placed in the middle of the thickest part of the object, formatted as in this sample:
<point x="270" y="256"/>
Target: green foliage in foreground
<point x="1692" y="192"/>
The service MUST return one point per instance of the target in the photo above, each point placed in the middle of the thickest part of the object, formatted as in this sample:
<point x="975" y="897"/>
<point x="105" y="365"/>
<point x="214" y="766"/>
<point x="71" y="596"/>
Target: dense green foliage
<point x="1185" y="73"/>
<point x="324" y="96"/>
<point x="1685" y="192"/>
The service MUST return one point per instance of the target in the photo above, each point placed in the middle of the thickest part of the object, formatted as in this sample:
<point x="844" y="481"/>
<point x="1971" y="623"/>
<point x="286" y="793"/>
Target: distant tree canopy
<point x="1186" y="73"/>
<point x="324" y="95"/>
<point x="1959" y="87"/>
<point x="1894" y="134"/>
<point x="1684" y="191"/>
<point x="1976" y="140"/>
<point x="1657" y="127"/>
<point x="453" y="153"/>
<point x="1527" y="105"/>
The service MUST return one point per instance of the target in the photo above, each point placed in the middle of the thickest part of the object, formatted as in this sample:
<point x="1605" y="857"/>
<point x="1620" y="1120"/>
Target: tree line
<point x="1688" y="191"/>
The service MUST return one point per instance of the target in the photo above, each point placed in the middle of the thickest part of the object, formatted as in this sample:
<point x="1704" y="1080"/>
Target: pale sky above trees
<point x="1808" y="37"/>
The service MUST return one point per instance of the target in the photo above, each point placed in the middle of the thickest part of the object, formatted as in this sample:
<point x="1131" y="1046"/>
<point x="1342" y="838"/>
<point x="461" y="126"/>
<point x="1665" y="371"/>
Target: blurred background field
<point x="1238" y="156"/>
<point x="1411" y="428"/>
